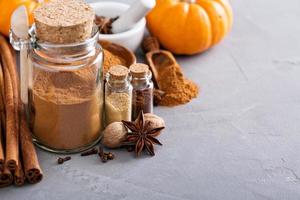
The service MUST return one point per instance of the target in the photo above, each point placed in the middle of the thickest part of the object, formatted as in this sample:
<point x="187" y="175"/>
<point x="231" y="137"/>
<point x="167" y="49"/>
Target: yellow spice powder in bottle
<point x="118" y="95"/>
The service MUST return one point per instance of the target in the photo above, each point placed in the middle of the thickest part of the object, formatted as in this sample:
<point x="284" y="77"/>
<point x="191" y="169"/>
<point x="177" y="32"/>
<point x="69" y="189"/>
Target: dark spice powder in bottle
<point x="142" y="94"/>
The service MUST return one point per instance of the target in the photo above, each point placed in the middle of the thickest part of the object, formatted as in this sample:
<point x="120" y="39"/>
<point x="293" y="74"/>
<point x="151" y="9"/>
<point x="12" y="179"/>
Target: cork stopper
<point x="139" y="70"/>
<point x="64" y="21"/>
<point x="118" y="72"/>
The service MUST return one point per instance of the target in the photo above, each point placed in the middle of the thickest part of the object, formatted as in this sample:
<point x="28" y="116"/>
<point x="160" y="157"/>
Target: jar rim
<point x="64" y="54"/>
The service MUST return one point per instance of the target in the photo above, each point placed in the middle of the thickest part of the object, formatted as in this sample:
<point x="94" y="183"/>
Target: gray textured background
<point x="238" y="140"/>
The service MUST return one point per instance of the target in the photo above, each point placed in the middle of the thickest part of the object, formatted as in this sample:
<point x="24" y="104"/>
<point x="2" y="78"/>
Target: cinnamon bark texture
<point x="19" y="178"/>
<point x="11" y="132"/>
<point x="2" y="100"/>
<point x="2" y="159"/>
<point x="8" y="56"/>
<point x="32" y="168"/>
<point x="11" y="104"/>
<point x="25" y="165"/>
<point x="2" y="120"/>
<point x="6" y="177"/>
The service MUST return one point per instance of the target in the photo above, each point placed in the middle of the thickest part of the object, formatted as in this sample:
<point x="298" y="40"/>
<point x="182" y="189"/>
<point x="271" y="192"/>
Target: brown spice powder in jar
<point x="67" y="108"/>
<point x="142" y="94"/>
<point x="142" y="100"/>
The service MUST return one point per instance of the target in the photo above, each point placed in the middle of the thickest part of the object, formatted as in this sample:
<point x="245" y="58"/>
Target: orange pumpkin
<point x="8" y="7"/>
<point x="190" y="26"/>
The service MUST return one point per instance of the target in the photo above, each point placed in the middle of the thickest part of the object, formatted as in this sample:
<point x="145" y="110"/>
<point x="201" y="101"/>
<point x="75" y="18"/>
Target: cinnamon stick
<point x="8" y="61"/>
<point x="2" y="100"/>
<point x="32" y="169"/>
<point x="19" y="178"/>
<point x="2" y="121"/>
<point x="16" y="126"/>
<point x="11" y="104"/>
<point x="6" y="177"/>
<point x="2" y="159"/>
<point x="11" y="132"/>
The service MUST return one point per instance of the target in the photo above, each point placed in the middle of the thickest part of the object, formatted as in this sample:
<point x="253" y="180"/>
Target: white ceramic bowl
<point x="131" y="38"/>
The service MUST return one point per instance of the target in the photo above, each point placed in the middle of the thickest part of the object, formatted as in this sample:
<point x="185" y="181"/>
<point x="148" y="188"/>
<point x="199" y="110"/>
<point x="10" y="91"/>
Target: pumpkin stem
<point x="188" y="1"/>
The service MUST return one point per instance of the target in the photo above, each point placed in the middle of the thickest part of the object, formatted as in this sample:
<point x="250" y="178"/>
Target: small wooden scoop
<point x="120" y="51"/>
<point x="157" y="58"/>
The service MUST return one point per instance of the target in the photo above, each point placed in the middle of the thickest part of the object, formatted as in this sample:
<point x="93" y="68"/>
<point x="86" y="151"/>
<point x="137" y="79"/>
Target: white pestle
<point x="20" y="26"/>
<point x="137" y="10"/>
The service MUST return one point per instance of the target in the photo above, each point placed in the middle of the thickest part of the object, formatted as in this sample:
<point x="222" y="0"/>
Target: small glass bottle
<point x="118" y="95"/>
<point x="142" y="94"/>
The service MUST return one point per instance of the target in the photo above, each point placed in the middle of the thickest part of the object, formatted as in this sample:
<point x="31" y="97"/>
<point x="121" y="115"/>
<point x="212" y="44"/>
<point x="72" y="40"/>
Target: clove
<point x="90" y="152"/>
<point x="110" y="156"/>
<point x="62" y="160"/>
<point x="105" y="156"/>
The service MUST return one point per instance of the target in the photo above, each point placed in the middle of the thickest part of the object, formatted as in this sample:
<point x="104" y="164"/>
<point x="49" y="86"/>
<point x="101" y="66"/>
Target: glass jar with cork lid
<point x="118" y="95"/>
<point x="64" y="78"/>
<point x="142" y="94"/>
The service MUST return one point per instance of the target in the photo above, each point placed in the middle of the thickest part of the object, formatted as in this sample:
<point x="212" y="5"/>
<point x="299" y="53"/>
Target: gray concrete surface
<point x="238" y="140"/>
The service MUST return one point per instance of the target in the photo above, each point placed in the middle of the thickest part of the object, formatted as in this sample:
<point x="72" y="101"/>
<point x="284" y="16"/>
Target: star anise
<point x="141" y="135"/>
<point x="105" y="24"/>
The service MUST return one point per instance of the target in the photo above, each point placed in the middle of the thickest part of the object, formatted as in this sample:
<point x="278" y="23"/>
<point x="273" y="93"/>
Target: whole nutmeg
<point x="114" y="134"/>
<point x="154" y="121"/>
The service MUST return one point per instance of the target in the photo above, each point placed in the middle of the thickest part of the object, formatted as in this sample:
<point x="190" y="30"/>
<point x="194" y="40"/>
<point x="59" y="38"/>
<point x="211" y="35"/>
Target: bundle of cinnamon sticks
<point x="18" y="158"/>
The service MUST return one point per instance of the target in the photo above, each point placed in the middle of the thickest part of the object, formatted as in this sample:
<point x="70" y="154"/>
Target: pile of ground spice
<point x="177" y="89"/>
<point x="111" y="59"/>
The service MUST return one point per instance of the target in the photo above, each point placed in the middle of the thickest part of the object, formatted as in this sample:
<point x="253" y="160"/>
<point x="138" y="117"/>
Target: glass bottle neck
<point x="142" y="81"/>
<point x="118" y="84"/>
